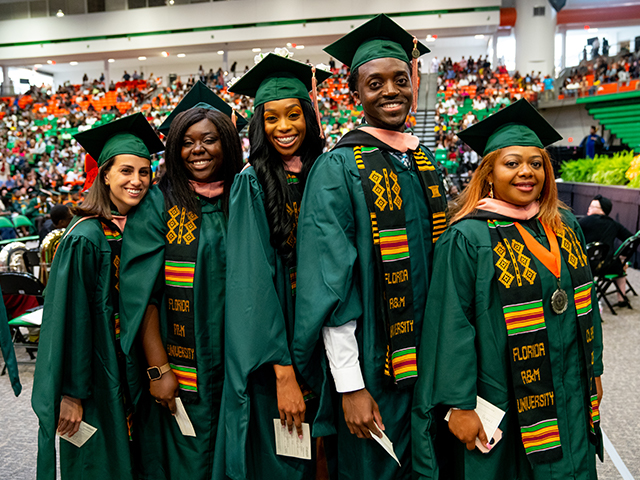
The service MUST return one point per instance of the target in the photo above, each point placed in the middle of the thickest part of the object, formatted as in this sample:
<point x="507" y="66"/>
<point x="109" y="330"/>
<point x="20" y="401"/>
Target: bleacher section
<point x="618" y="113"/>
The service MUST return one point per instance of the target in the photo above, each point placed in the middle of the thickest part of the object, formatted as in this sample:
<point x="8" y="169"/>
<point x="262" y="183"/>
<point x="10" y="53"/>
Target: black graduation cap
<point x="518" y="124"/>
<point x="201" y="96"/>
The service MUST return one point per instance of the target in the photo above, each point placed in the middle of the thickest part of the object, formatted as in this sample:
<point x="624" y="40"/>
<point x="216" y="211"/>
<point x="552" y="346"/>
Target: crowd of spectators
<point x="40" y="162"/>
<point x="603" y="74"/>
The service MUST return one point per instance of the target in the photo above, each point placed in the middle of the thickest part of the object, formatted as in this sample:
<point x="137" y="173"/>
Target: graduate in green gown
<point x="512" y="318"/>
<point x="80" y="370"/>
<point x="372" y="209"/>
<point x="173" y="284"/>
<point x="8" y="353"/>
<point x="260" y="382"/>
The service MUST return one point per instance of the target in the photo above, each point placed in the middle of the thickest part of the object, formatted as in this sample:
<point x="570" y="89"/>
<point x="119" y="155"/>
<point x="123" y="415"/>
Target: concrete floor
<point x="620" y="410"/>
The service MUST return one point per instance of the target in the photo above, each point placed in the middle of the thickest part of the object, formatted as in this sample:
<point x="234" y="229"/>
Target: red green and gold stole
<point x="389" y="229"/>
<point x="113" y="235"/>
<point x="181" y="252"/>
<point x="524" y="313"/>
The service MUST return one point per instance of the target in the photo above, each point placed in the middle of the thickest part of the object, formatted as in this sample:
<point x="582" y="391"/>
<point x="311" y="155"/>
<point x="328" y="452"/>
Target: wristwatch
<point x="155" y="373"/>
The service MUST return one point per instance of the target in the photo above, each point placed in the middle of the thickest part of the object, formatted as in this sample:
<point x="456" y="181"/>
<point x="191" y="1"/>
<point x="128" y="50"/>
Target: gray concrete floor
<point x="620" y="410"/>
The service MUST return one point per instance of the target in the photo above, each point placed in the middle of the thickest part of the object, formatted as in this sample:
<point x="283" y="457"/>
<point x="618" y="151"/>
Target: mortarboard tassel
<point x="91" y="170"/>
<point x="415" y="54"/>
<point x="233" y="117"/>
<point x="314" y="98"/>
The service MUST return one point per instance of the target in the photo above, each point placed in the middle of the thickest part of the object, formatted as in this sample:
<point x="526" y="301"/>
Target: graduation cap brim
<point x="94" y="139"/>
<point x="200" y="93"/>
<point x="518" y="124"/>
<point x="272" y="66"/>
<point x="379" y="27"/>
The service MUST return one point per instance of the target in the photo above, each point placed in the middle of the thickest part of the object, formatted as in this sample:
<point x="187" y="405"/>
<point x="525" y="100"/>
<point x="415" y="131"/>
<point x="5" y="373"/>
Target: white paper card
<point x="489" y="415"/>
<point x="386" y="444"/>
<point x="184" y="423"/>
<point x="83" y="434"/>
<point x="35" y="318"/>
<point x="289" y="445"/>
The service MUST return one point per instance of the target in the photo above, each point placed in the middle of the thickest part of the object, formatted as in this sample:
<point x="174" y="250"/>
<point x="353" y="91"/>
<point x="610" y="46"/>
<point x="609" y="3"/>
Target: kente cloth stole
<point x="522" y="299"/>
<point x="114" y="238"/>
<point x="389" y="229"/>
<point x="181" y="252"/>
<point x="293" y="209"/>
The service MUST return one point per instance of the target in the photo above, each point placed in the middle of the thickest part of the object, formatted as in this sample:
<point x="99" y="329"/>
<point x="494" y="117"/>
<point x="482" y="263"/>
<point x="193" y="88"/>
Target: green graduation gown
<point x="8" y="353"/>
<point x="259" y="328"/>
<point x="336" y="285"/>
<point x="466" y="340"/>
<point x="77" y="357"/>
<point x="165" y="452"/>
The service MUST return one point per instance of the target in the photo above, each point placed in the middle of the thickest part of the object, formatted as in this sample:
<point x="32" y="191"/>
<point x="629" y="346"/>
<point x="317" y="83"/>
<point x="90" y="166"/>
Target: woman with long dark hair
<point x="261" y="383"/>
<point x="81" y="371"/>
<point x="173" y="285"/>
<point x="513" y="321"/>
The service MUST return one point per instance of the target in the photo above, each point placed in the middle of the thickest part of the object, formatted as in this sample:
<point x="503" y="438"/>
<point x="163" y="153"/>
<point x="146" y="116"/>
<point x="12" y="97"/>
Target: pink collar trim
<point x="293" y="164"/>
<point x="397" y="140"/>
<point x="509" y="210"/>
<point x="120" y="221"/>
<point x="209" y="190"/>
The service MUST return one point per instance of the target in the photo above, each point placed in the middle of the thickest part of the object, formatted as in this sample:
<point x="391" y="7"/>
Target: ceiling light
<point x="181" y="55"/>
<point x="142" y="58"/>
<point x="299" y="47"/>
<point x="478" y="37"/>
<point x="256" y="50"/>
<point x="111" y="60"/>
<point x="171" y="2"/>
<point x="37" y="65"/>
<point x="593" y="30"/>
<point x="60" y="13"/>
<point x="51" y="62"/>
<point x="431" y="38"/>
<point x="289" y="44"/>
<point x="220" y="52"/>
<point x="73" y="63"/>
<point x="164" y="54"/>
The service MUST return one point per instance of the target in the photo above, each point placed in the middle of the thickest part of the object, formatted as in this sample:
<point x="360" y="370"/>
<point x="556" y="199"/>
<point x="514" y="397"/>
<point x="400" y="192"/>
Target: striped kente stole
<point x="389" y="229"/>
<point x="181" y="252"/>
<point x="524" y="314"/>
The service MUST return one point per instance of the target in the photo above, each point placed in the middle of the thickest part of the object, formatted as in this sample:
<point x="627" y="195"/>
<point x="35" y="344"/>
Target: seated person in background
<point x="60" y="218"/>
<point x="598" y="226"/>
<point x="591" y="143"/>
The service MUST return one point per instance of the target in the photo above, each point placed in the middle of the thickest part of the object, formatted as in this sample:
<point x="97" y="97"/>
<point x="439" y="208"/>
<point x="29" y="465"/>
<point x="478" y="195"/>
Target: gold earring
<point x="490" y="190"/>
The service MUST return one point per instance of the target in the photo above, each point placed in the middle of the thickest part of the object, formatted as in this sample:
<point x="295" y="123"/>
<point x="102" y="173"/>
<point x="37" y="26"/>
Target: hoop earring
<point x="490" y="190"/>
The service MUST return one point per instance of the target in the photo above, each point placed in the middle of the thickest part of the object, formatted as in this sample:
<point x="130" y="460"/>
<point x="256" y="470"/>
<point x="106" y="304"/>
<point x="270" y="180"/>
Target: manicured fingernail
<point x="300" y="437"/>
<point x="488" y="445"/>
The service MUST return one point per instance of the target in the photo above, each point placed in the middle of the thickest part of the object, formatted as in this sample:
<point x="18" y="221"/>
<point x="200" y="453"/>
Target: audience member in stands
<point x="598" y="226"/>
<point x="59" y="217"/>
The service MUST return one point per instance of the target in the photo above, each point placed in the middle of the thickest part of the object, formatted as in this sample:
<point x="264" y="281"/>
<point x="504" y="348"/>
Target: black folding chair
<point x="19" y="283"/>
<point x="606" y="280"/>
<point x="31" y="259"/>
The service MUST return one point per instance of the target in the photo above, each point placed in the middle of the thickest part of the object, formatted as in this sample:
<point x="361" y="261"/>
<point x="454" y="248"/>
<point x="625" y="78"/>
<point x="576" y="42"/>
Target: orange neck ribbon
<point x="550" y="259"/>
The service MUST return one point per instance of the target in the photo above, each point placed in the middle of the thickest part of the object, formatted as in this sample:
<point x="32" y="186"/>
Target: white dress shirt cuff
<point x="342" y="352"/>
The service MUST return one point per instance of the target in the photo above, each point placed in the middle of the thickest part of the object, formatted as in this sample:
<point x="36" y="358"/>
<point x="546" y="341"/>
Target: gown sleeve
<point x="447" y="357"/>
<point x="142" y="264"/>
<point x="327" y="293"/>
<point x="255" y="328"/>
<point x="63" y="366"/>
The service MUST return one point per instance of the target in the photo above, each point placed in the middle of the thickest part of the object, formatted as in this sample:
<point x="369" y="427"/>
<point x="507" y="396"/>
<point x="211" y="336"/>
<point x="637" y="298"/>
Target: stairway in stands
<point x="425" y="119"/>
